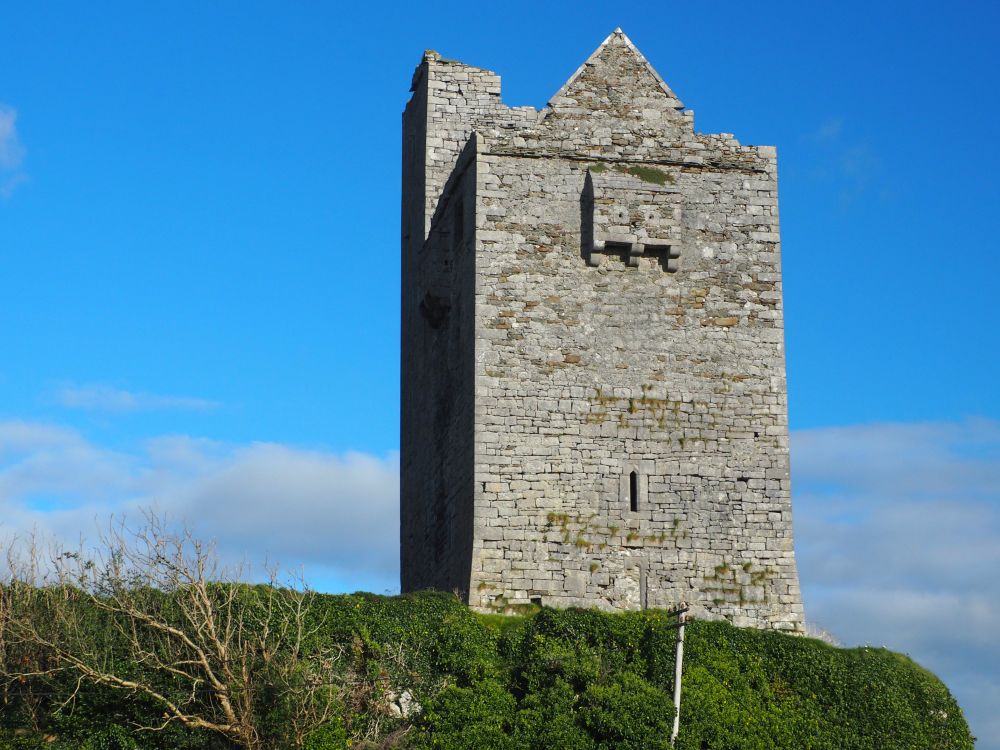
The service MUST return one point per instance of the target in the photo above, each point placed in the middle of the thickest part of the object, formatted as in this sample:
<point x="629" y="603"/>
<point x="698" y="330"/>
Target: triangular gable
<point x="616" y="79"/>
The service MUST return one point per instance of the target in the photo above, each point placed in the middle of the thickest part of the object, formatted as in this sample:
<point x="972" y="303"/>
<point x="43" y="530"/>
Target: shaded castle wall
<point x="437" y="328"/>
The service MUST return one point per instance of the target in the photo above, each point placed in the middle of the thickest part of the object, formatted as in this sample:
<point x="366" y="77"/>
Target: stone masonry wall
<point x="628" y="424"/>
<point x="436" y="387"/>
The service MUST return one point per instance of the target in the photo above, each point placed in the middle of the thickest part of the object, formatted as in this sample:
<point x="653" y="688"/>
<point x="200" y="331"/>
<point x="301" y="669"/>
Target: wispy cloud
<point x="828" y="131"/>
<point x="12" y="152"/>
<point x="334" y="514"/>
<point x="98" y="397"/>
<point x="838" y="156"/>
<point x="898" y="542"/>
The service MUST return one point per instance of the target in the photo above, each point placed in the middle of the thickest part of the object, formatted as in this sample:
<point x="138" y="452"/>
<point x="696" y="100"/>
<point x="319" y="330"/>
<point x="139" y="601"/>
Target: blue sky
<point x="199" y="296"/>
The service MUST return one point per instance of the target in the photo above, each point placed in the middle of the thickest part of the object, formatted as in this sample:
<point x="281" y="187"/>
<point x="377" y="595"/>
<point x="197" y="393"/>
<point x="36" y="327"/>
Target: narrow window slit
<point x="633" y="491"/>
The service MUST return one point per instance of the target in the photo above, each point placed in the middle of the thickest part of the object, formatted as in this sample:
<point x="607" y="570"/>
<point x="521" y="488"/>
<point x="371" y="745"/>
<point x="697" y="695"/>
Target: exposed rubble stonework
<point x="594" y="408"/>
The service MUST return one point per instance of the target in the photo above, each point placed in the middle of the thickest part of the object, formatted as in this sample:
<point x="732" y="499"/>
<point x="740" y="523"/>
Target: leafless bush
<point x="151" y="612"/>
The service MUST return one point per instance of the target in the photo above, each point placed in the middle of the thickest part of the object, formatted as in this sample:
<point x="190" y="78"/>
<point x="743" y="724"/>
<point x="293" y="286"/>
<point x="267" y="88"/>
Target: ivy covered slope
<point x="423" y="671"/>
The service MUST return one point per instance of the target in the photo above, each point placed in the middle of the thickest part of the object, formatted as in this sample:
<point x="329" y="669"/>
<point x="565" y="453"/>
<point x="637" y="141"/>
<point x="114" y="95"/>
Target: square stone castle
<point x="594" y="408"/>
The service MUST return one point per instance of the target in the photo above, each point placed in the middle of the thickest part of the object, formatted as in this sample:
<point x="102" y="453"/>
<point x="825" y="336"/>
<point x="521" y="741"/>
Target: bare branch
<point x="199" y="642"/>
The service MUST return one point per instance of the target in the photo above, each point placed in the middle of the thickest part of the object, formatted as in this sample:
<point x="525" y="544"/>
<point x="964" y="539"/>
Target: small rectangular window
<point x="633" y="491"/>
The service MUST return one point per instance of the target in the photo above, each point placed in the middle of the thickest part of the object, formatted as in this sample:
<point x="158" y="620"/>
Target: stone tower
<point x="594" y="408"/>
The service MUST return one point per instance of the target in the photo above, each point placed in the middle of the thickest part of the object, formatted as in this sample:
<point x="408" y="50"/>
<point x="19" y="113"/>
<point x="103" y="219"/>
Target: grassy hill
<point x="423" y="671"/>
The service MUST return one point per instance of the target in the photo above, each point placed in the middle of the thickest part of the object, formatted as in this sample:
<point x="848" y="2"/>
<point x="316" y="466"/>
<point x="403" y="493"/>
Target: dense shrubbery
<point x="579" y="680"/>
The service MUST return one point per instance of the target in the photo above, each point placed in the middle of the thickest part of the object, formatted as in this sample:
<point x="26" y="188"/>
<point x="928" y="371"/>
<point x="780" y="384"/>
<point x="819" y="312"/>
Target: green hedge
<point x="573" y="679"/>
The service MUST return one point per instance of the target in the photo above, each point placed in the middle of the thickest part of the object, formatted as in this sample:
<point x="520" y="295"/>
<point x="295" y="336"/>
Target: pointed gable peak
<point x="615" y="75"/>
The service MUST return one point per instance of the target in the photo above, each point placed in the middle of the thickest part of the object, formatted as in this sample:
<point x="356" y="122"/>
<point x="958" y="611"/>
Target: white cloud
<point x="18" y="436"/>
<point x="315" y="507"/>
<point x="898" y="541"/>
<point x="99" y="397"/>
<point x="11" y="152"/>
<point x="335" y="515"/>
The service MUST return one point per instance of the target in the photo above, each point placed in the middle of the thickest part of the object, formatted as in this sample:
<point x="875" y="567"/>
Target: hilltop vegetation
<point x="422" y="671"/>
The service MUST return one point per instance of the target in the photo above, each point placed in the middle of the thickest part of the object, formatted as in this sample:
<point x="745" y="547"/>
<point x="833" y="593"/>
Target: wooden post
<point x="678" y="667"/>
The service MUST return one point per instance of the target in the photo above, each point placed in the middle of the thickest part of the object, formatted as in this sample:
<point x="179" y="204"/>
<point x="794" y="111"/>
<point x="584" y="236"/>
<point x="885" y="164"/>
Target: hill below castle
<point x="423" y="671"/>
